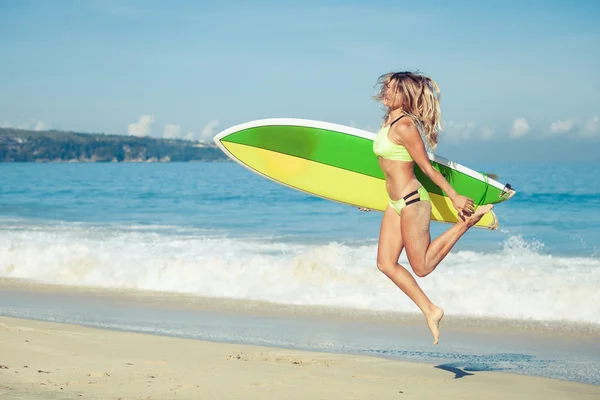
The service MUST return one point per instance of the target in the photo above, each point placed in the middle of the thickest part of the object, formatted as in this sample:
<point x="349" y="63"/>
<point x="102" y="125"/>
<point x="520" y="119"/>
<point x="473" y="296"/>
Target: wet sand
<point x="64" y="361"/>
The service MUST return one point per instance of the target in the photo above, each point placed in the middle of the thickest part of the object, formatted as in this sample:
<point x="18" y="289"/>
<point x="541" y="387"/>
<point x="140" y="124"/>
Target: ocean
<point x="217" y="230"/>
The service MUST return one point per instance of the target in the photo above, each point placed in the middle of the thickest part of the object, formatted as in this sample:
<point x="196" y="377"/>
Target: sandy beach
<point x="63" y="361"/>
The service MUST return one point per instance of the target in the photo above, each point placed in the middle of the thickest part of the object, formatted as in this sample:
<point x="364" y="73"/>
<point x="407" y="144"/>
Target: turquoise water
<point x="216" y="229"/>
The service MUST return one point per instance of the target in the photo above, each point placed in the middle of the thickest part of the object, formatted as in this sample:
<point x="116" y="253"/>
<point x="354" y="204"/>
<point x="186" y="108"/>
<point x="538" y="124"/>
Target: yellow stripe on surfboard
<point x="335" y="183"/>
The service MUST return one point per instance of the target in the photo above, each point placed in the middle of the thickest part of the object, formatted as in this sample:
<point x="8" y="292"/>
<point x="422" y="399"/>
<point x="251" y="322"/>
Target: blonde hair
<point x="421" y="101"/>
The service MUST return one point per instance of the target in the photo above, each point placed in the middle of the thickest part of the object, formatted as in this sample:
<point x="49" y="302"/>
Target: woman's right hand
<point x="463" y="205"/>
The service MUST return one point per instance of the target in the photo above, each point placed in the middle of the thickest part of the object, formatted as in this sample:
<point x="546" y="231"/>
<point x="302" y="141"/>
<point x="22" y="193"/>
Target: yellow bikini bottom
<point x="418" y="195"/>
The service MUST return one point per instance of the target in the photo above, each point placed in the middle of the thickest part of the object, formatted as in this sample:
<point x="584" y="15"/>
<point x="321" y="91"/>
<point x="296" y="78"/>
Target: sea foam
<point x="518" y="282"/>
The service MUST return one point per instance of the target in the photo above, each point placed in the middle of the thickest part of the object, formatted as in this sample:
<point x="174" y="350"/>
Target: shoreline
<point x="188" y="301"/>
<point x="566" y="353"/>
<point x="66" y="361"/>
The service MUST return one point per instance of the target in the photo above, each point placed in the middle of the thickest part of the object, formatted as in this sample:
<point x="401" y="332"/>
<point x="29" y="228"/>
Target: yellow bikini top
<point x="384" y="147"/>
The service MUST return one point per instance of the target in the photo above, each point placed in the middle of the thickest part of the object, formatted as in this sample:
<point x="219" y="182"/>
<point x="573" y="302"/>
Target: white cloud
<point x="208" y="130"/>
<point x="41" y="126"/>
<point x="31" y="125"/>
<point x="563" y="126"/>
<point x="369" y="128"/>
<point x="520" y="128"/>
<point x="459" y="130"/>
<point x="143" y="127"/>
<point x="592" y="128"/>
<point x="487" y="133"/>
<point x="172" y="131"/>
<point x="190" y="136"/>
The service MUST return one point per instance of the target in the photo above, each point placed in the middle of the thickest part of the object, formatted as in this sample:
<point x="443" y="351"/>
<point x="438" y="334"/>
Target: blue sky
<point x="521" y="76"/>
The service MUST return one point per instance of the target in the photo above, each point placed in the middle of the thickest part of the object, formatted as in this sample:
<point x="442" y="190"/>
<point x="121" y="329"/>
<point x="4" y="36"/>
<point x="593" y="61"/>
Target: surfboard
<point x="337" y="163"/>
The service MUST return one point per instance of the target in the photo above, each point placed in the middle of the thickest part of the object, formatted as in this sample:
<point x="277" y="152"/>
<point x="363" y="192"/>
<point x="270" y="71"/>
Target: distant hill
<point x="19" y="145"/>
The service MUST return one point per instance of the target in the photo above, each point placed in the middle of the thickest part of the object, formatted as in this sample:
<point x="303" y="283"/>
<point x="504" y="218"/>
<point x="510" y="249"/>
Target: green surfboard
<point x="337" y="163"/>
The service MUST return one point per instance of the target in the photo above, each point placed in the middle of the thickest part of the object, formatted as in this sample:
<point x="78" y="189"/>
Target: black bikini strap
<point x="398" y="119"/>
<point x="412" y="201"/>
<point x="410" y="195"/>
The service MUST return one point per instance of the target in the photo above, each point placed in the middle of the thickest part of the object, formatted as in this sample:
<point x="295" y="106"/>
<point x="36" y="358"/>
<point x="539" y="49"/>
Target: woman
<point x="412" y="107"/>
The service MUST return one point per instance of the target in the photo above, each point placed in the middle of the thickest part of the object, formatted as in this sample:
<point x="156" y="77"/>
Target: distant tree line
<point x="19" y="145"/>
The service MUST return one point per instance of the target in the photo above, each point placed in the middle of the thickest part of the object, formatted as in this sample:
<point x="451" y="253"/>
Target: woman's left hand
<point x="463" y="205"/>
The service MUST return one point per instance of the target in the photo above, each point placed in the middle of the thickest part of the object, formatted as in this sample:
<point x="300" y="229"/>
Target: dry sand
<point x="42" y="360"/>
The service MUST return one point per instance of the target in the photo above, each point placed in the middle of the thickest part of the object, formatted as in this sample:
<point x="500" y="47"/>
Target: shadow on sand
<point x="458" y="373"/>
<point x="492" y="362"/>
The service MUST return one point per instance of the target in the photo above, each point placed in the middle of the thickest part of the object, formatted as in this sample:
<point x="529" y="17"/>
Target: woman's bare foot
<point x="478" y="214"/>
<point x="433" y="322"/>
